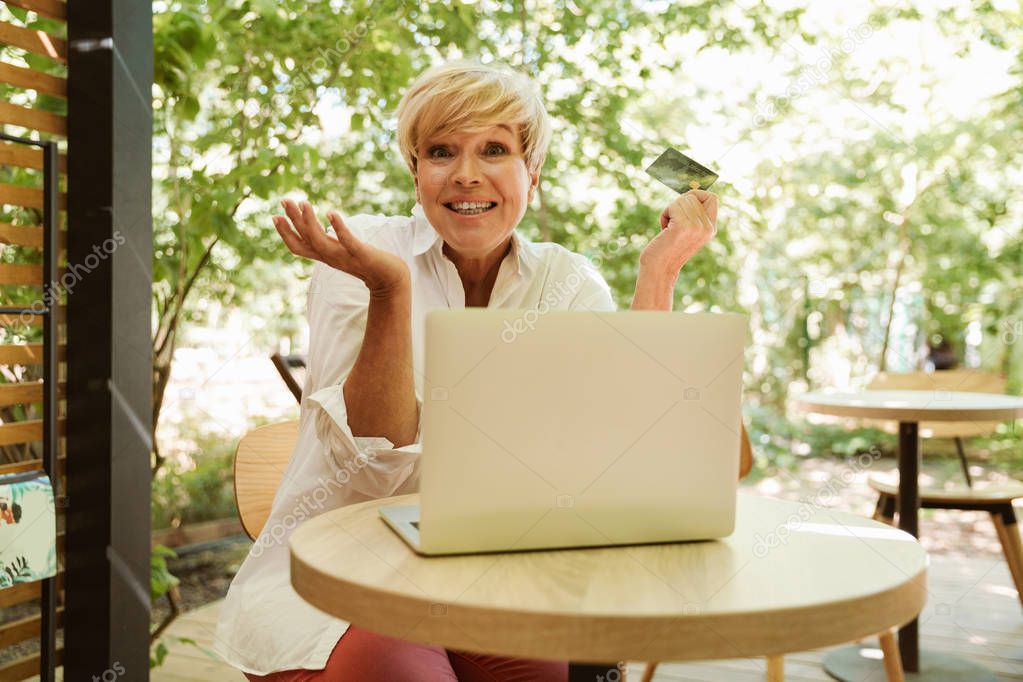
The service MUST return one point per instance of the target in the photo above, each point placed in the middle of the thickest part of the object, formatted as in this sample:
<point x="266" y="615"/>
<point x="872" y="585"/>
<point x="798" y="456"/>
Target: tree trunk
<point x="165" y="342"/>
<point x="883" y="362"/>
<point x="161" y="377"/>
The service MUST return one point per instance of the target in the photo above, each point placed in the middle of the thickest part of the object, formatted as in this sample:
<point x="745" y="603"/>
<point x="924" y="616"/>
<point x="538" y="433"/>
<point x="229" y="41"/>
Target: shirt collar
<point x="426" y="238"/>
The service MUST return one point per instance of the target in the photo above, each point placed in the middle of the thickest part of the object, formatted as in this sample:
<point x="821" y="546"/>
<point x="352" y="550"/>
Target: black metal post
<point x="909" y="507"/>
<point x="51" y="223"/>
<point x="109" y="383"/>
<point x="48" y="311"/>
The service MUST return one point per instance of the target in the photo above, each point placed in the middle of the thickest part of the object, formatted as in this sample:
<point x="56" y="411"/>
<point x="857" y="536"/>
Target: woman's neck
<point x="478" y="275"/>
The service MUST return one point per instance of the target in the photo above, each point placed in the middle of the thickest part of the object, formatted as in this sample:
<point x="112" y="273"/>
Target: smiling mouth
<point x="470" y="207"/>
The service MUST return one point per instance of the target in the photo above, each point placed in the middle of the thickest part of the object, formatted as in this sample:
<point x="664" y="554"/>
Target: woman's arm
<point x="380" y="390"/>
<point x="379" y="393"/>
<point x="654" y="291"/>
<point x="687" y="224"/>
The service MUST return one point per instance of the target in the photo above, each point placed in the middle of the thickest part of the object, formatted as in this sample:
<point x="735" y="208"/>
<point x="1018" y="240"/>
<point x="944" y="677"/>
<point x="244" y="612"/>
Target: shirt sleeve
<point x="593" y="292"/>
<point x="336" y="308"/>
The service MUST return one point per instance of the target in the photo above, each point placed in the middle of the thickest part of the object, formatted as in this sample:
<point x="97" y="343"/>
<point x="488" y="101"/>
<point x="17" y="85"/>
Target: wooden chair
<point x="288" y="366"/>
<point x="259" y="464"/>
<point x="776" y="664"/>
<point x="995" y="499"/>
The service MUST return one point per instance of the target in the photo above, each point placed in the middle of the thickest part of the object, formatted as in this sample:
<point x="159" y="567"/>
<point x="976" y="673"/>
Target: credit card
<point x="679" y="172"/>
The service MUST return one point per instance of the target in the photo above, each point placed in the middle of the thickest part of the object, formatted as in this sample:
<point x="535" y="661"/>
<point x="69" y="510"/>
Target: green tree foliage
<point x="236" y="126"/>
<point x="865" y="215"/>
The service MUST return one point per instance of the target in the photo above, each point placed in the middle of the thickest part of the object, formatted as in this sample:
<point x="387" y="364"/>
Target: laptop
<point x="575" y="429"/>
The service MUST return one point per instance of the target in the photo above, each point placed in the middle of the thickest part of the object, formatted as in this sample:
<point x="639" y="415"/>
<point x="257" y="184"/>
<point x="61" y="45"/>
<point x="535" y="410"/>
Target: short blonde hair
<point x="464" y="95"/>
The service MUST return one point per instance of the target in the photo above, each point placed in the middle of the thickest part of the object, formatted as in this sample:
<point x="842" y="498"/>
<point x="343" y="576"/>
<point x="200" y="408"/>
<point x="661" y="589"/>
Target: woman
<point x="474" y="138"/>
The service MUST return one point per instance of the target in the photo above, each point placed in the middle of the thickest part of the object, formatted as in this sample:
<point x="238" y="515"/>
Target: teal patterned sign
<point x="28" y="529"/>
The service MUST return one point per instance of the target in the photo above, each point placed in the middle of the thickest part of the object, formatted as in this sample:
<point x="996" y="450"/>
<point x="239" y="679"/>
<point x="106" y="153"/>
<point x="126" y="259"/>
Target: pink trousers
<point x="364" y="656"/>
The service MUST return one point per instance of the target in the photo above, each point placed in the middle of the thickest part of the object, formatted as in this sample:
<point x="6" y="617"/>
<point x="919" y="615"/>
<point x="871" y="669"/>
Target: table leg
<point x="595" y="672"/>
<point x="909" y="509"/>
<point x="852" y="663"/>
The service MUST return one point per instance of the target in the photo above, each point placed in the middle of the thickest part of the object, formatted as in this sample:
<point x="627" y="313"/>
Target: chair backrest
<point x="952" y="380"/>
<point x="745" y="453"/>
<point x="287" y="366"/>
<point x="259" y="464"/>
<point x="263" y="453"/>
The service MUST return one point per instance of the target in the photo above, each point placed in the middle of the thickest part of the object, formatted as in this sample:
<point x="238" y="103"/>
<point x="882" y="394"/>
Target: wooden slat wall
<point x="23" y="592"/>
<point x="21" y="235"/>
<point x="18" y="273"/>
<point x="21" y="354"/>
<point x="36" y="42"/>
<point x="26" y="157"/>
<point x="9" y="320"/>
<point x="51" y="9"/>
<point x="22" y="629"/>
<point x="27" y="117"/>
<point x="33" y="80"/>
<point x="25" y="667"/>
<point x="27" y="197"/>
<point x="17" y="115"/>
<point x="21" y="393"/>
<point x="26" y="431"/>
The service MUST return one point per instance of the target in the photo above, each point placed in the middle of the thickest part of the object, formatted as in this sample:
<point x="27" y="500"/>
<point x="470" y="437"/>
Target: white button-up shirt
<point x="264" y="625"/>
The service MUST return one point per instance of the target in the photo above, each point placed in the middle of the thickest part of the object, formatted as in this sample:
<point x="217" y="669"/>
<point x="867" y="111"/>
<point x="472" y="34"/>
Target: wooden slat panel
<point x="34" y="119"/>
<point x="25" y="392"/>
<point x="12" y="154"/>
<point x="27" y="431"/>
<point x="27" y="465"/>
<point x="19" y="467"/>
<point x="19" y="273"/>
<point x="21" y="354"/>
<point x="30" y="79"/>
<point x="23" y="592"/>
<point x="24" y="628"/>
<point x="7" y="319"/>
<point x="21" y="235"/>
<point x="28" y="197"/>
<point x="26" y="666"/>
<point x="54" y="9"/>
<point x="34" y="40"/>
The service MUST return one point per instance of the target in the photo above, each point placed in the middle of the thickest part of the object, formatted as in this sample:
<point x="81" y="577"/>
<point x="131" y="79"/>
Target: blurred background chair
<point x="994" y="498"/>
<point x="259" y="464"/>
<point x="292" y="370"/>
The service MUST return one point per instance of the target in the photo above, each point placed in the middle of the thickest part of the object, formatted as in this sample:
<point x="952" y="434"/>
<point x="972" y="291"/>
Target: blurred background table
<point x="909" y="408"/>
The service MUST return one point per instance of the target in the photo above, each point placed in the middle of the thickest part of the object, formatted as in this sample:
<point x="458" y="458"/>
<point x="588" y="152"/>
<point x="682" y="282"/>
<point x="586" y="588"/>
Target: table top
<point x="913" y="406"/>
<point x="791" y="577"/>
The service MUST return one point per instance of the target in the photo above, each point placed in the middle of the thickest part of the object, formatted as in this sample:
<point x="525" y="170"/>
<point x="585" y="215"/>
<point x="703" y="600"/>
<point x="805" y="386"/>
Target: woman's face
<point x="474" y="187"/>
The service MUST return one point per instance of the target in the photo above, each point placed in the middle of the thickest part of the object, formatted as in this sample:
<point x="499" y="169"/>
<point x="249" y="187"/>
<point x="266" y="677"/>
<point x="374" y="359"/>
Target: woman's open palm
<point x="304" y="236"/>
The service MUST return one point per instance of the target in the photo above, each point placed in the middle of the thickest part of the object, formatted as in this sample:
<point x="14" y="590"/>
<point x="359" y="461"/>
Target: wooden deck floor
<point x="973" y="611"/>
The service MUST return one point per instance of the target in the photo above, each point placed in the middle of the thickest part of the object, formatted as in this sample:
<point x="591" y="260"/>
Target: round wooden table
<point x="909" y="408"/>
<point x="791" y="577"/>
